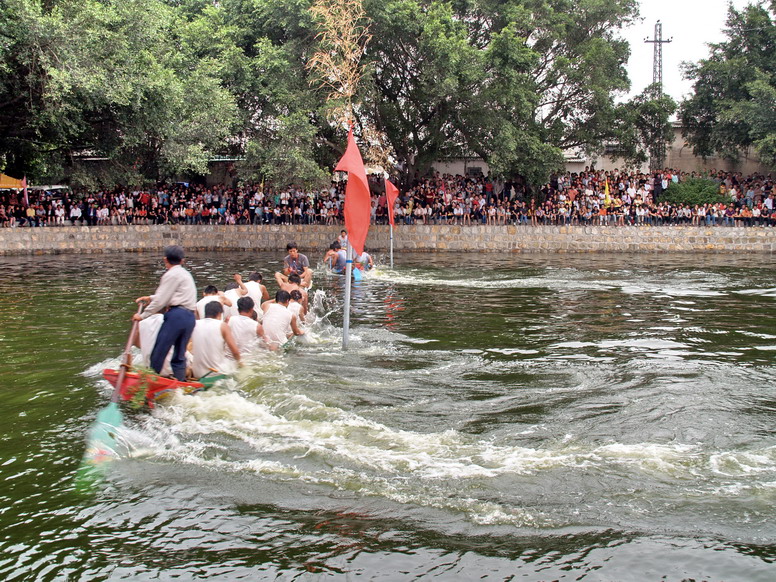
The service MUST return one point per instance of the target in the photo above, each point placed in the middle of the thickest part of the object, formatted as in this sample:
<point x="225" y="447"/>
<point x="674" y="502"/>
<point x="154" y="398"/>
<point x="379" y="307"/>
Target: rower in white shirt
<point x="279" y="323"/>
<point x="211" y="293"/>
<point x="246" y="330"/>
<point x="209" y="342"/>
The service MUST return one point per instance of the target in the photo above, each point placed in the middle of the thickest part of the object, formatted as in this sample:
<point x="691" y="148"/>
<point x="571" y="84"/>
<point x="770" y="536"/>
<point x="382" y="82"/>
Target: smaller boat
<point x="149" y="388"/>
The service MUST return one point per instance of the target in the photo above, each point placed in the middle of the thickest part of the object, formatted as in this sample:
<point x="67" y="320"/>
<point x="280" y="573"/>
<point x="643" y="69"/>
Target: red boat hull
<point x="156" y="388"/>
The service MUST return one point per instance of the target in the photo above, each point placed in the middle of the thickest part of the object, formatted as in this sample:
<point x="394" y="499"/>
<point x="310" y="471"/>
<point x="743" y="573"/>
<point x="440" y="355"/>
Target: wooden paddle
<point x="101" y="438"/>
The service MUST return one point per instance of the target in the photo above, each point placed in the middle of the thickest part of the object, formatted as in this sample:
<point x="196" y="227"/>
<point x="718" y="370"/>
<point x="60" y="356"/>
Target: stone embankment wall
<point x="430" y="238"/>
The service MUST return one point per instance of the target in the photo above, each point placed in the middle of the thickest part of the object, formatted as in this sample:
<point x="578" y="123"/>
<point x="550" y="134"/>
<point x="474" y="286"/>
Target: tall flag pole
<point x="391" y="194"/>
<point x="358" y="206"/>
<point x="346" y="313"/>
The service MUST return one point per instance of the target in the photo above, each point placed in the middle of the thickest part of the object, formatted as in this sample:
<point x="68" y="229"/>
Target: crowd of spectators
<point x="592" y="197"/>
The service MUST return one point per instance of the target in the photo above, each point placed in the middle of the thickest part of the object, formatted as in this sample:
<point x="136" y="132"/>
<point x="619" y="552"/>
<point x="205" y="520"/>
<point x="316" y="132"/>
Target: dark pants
<point x="175" y="332"/>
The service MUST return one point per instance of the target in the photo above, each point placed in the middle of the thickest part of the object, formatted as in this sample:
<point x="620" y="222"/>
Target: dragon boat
<point x="148" y="388"/>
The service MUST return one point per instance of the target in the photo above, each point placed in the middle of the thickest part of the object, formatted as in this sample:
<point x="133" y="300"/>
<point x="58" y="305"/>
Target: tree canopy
<point x="734" y="101"/>
<point x="157" y="87"/>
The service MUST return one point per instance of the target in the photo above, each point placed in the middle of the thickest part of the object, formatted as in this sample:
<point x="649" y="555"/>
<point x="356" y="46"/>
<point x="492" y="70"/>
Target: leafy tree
<point x="286" y="157"/>
<point x="694" y="191"/>
<point x="644" y="128"/>
<point x="29" y="133"/>
<point x="158" y="86"/>
<point x="275" y="95"/>
<point x="734" y="101"/>
<point x="514" y="81"/>
<point x="129" y="80"/>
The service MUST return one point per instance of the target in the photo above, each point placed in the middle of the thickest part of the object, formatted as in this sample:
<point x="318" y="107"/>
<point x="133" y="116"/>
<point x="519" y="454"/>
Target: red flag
<point x="391" y="194"/>
<point x="24" y="186"/>
<point x="358" y="202"/>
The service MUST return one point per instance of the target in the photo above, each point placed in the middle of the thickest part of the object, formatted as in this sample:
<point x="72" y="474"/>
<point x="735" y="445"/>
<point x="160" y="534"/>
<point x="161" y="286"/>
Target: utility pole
<point x="658" y="151"/>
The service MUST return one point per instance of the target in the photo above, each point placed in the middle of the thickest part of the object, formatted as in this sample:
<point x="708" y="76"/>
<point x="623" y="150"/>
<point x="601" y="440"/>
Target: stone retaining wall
<point x="137" y="238"/>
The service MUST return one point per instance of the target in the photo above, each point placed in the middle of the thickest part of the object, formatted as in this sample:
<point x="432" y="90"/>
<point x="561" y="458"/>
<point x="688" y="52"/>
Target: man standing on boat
<point x="176" y="297"/>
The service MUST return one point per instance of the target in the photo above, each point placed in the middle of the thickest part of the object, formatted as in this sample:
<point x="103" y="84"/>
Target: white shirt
<point x="277" y="324"/>
<point x="296" y="308"/>
<point x="254" y="292"/>
<point x="245" y="332"/>
<point x="208" y="349"/>
<point x="204" y="301"/>
<point x="148" y="330"/>
<point x="232" y="295"/>
<point x="176" y="287"/>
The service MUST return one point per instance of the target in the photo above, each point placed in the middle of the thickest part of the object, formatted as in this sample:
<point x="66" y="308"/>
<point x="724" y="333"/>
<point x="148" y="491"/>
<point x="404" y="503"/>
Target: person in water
<point x="336" y="258"/>
<point x="342" y="239"/>
<point x="176" y="297"/>
<point x="297" y="307"/>
<point x="147" y="330"/>
<point x="234" y="291"/>
<point x="256" y="290"/>
<point x="365" y="261"/>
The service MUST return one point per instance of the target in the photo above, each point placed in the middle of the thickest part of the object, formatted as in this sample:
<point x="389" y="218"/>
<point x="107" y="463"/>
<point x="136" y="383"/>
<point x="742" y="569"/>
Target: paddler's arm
<point x="144" y="299"/>
<point x="239" y="281"/>
<point x="226" y="332"/>
<point x="295" y="326"/>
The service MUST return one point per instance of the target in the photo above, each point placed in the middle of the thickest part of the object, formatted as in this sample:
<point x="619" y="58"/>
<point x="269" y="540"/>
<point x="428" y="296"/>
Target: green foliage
<point x="734" y="101"/>
<point x="286" y="156"/>
<point x="694" y="191"/>
<point x="455" y="78"/>
<point x="159" y="86"/>
<point x="643" y="128"/>
<point x="129" y="80"/>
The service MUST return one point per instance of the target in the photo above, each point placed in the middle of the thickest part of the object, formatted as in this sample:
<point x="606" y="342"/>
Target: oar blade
<point x="101" y="443"/>
<point x="101" y="447"/>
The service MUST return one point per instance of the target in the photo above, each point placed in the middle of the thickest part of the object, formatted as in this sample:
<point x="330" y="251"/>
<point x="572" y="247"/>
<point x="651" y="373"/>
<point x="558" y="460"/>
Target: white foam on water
<point x="669" y="291"/>
<point x="743" y="463"/>
<point x="287" y="435"/>
<point x="512" y="351"/>
<point x="95" y="371"/>
<point x="757" y="335"/>
<point x="762" y="292"/>
<point x="642" y="344"/>
<point x="425" y="278"/>
<point x="311" y="427"/>
<point x="670" y="459"/>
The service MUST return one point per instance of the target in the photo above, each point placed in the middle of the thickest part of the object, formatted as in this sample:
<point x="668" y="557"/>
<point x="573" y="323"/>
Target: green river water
<point x="497" y="417"/>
